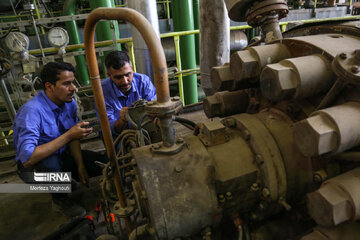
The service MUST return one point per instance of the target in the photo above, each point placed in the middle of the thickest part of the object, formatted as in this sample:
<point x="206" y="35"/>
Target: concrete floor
<point x="30" y="216"/>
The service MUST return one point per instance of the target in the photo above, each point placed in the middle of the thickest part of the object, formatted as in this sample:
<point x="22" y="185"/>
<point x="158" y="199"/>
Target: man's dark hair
<point x="117" y="59"/>
<point x="51" y="70"/>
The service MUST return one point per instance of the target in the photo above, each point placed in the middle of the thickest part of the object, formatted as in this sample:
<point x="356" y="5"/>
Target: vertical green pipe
<point x="196" y="26"/>
<point x="71" y="26"/>
<point x="103" y="29"/>
<point x="183" y="20"/>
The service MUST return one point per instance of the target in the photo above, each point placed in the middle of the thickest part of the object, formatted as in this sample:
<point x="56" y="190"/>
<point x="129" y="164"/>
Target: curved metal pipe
<point x="149" y="35"/>
<point x="159" y="68"/>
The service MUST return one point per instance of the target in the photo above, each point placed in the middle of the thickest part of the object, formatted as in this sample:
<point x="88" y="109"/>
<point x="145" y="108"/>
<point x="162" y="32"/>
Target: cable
<point x="185" y="122"/>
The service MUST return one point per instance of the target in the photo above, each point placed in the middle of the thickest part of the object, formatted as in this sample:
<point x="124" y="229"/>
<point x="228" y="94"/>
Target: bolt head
<point x="244" y="65"/>
<point x="228" y="195"/>
<point x="221" y="198"/>
<point x="266" y="193"/>
<point x="221" y="78"/>
<point x="315" y="135"/>
<point x="328" y="206"/>
<point x="254" y="187"/>
<point x="178" y="169"/>
<point x="355" y="69"/>
<point x="343" y="55"/>
<point x="278" y="81"/>
<point x="212" y="106"/>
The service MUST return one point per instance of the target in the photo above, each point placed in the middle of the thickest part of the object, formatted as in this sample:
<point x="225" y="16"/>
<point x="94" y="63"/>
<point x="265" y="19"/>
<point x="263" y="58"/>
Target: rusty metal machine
<point x="281" y="163"/>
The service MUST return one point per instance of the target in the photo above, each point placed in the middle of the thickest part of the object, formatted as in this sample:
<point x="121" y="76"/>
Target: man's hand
<point x="121" y="122"/>
<point x="79" y="130"/>
<point x="84" y="179"/>
<point x="123" y="113"/>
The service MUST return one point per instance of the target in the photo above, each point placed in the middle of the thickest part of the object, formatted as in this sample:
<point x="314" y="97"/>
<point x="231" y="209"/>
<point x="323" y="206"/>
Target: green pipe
<point x="197" y="26"/>
<point x="103" y="29"/>
<point x="183" y="19"/>
<point x="71" y="26"/>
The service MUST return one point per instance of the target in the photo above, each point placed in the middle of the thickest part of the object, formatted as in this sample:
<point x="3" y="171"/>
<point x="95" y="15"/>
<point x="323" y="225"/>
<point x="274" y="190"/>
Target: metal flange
<point x="160" y="148"/>
<point x="261" y="11"/>
<point x="346" y="66"/>
<point x="167" y="109"/>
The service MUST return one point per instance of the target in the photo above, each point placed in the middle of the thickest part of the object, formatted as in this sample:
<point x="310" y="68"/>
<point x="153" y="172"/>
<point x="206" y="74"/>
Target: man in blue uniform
<point x="122" y="88"/>
<point x="47" y="133"/>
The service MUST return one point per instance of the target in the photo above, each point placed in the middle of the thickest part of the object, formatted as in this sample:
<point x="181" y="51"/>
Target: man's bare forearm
<point x="45" y="150"/>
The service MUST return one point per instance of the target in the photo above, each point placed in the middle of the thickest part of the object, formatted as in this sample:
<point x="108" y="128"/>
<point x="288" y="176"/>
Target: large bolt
<point x="222" y="104"/>
<point x="278" y="81"/>
<point x="212" y="106"/>
<point x="337" y="199"/>
<point x="328" y="206"/>
<point x="315" y="136"/>
<point x="244" y="65"/>
<point x="221" y="78"/>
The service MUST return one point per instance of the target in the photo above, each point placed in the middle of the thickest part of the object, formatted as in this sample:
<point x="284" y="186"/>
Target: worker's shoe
<point x="68" y="207"/>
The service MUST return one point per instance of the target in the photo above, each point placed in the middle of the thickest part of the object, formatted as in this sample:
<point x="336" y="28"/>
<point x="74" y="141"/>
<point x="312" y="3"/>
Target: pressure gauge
<point x="58" y="37"/>
<point x="17" y="42"/>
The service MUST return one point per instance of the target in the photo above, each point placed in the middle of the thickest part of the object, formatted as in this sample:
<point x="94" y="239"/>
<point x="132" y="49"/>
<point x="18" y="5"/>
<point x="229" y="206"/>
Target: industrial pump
<point x="280" y="163"/>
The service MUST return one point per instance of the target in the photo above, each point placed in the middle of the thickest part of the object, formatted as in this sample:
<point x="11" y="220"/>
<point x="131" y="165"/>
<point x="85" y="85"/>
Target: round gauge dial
<point x="58" y="37"/>
<point x="17" y="42"/>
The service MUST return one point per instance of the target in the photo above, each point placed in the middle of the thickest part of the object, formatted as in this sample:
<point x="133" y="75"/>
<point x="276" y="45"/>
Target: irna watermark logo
<point x="52" y="176"/>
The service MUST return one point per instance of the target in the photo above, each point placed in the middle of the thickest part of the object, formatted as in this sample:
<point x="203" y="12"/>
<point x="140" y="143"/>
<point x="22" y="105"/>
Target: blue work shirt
<point x="115" y="100"/>
<point x="40" y="121"/>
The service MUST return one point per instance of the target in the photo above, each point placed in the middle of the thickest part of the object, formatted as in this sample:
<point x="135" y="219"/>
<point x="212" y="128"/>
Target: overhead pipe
<point x="74" y="38"/>
<point x="142" y="56"/>
<point x="183" y="20"/>
<point x="159" y="68"/>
